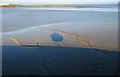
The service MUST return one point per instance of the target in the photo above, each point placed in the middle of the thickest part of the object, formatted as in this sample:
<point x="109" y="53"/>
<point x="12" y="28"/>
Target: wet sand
<point x="61" y="49"/>
<point x="72" y="36"/>
<point x="56" y="60"/>
<point x="37" y="42"/>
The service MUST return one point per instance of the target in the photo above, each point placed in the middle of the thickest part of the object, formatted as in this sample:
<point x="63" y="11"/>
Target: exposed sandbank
<point x="18" y="5"/>
<point x="87" y="36"/>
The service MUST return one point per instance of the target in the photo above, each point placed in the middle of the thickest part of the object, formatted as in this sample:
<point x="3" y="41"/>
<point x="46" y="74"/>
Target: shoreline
<point x="53" y="5"/>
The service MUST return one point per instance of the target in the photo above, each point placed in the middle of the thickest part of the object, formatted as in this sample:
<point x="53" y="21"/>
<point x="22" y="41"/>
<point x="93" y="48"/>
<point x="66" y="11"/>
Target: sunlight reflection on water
<point x="76" y="9"/>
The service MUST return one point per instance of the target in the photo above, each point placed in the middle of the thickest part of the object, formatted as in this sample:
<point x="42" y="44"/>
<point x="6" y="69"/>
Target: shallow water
<point x="77" y="9"/>
<point x="17" y="18"/>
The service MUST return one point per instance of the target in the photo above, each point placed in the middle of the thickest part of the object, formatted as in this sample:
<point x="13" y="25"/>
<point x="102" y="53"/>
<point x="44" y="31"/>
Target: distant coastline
<point x="8" y="5"/>
<point x="49" y="5"/>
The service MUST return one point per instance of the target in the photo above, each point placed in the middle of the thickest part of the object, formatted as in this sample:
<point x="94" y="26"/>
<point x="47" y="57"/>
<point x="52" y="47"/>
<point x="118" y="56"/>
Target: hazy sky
<point x="59" y="1"/>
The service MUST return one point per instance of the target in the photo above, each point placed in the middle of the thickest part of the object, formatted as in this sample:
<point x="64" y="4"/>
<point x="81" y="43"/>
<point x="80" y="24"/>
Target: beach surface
<point x="56" y="41"/>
